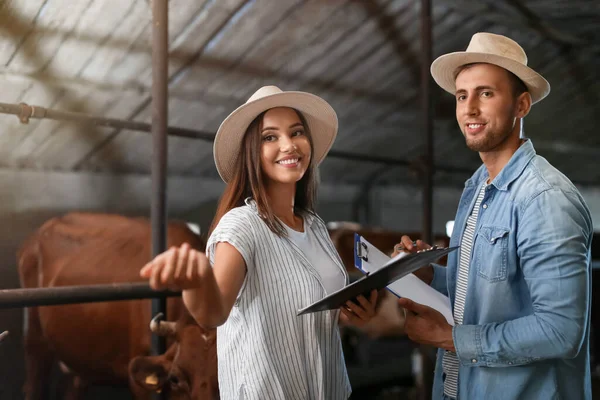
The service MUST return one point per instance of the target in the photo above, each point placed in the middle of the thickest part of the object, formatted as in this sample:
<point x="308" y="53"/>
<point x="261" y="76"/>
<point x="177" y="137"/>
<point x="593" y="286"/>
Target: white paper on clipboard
<point x="368" y="258"/>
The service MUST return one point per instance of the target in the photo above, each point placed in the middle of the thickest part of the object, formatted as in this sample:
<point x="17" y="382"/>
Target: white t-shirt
<point x="330" y="273"/>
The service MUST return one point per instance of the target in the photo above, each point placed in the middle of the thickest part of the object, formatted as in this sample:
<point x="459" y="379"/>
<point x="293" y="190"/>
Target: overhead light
<point x="194" y="227"/>
<point x="449" y="228"/>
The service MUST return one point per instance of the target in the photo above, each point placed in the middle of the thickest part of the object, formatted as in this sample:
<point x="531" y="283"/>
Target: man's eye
<point x="461" y="97"/>
<point x="486" y="94"/>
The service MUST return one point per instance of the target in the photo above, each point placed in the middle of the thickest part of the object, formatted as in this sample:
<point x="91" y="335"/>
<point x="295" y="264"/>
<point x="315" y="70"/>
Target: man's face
<point x="486" y="107"/>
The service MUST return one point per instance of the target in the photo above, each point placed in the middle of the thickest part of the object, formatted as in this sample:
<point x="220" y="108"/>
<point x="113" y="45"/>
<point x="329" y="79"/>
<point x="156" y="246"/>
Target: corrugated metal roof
<point x="363" y="57"/>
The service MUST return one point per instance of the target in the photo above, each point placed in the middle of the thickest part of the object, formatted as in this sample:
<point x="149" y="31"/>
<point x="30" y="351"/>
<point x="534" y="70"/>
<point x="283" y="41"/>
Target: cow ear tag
<point x="151" y="380"/>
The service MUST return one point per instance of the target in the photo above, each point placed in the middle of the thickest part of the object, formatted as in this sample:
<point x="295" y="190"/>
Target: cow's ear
<point x="150" y="373"/>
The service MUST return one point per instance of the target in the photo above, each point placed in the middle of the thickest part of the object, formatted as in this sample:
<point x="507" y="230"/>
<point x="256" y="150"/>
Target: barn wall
<point x="394" y="208"/>
<point x="14" y="228"/>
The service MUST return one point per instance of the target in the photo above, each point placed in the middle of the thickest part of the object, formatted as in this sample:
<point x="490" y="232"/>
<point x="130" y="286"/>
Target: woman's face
<point x="285" y="147"/>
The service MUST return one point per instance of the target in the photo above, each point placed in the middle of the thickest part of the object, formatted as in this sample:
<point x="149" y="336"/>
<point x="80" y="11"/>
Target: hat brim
<point x="320" y="117"/>
<point x="444" y="67"/>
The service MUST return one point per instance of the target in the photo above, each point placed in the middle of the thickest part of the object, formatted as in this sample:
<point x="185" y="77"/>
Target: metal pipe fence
<point x="15" y="298"/>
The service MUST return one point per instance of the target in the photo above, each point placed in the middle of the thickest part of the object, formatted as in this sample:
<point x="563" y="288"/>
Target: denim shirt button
<point x="510" y="363"/>
<point x="474" y="360"/>
<point x="485" y="206"/>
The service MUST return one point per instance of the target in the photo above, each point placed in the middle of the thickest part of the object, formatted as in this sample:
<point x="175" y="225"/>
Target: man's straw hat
<point x="491" y="49"/>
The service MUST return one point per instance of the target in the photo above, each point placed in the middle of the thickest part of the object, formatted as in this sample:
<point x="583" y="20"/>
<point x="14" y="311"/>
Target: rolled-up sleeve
<point x="553" y="246"/>
<point x="234" y="228"/>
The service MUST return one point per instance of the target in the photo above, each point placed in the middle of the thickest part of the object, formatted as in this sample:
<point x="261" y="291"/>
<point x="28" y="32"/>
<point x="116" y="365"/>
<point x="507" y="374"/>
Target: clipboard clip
<point x="434" y="247"/>
<point x="362" y="251"/>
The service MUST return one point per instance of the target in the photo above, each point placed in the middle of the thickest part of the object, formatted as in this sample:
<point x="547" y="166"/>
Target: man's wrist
<point x="448" y="342"/>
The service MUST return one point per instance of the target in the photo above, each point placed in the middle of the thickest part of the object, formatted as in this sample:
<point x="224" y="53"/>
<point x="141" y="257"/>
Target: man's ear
<point x="523" y="105"/>
<point x="149" y="373"/>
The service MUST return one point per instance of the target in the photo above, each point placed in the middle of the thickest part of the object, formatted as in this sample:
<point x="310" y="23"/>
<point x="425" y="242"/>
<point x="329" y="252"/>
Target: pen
<point x="402" y="248"/>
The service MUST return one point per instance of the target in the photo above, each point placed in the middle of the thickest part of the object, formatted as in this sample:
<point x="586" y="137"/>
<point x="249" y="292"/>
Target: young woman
<point x="268" y="256"/>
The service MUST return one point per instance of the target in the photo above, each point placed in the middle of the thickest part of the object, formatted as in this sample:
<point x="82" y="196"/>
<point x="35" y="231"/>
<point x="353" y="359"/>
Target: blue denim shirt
<point x="527" y="313"/>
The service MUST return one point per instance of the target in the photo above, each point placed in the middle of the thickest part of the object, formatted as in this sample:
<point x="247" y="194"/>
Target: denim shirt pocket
<point x="492" y="253"/>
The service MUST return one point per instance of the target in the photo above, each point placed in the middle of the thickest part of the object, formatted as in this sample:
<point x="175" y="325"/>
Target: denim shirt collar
<point x="511" y="171"/>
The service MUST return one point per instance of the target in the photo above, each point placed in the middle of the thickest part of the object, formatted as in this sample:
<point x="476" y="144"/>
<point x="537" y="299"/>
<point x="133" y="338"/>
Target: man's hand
<point x="408" y="246"/>
<point x="426" y="326"/>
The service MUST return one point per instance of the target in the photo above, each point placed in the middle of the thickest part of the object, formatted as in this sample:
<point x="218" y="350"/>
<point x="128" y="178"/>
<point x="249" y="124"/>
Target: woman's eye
<point x="269" y="138"/>
<point x="298" y="133"/>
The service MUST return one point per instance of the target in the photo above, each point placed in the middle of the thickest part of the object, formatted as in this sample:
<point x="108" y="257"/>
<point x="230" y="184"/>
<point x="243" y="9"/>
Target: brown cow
<point x="95" y="342"/>
<point x="169" y="372"/>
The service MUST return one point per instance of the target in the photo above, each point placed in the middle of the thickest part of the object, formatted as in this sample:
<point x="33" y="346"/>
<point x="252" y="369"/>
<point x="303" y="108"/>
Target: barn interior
<point x="366" y="58"/>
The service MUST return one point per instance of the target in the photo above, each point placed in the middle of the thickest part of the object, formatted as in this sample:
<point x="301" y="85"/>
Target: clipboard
<point x="391" y="271"/>
<point x="368" y="258"/>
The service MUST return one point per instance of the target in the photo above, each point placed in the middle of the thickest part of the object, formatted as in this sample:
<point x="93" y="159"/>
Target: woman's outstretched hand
<point x="178" y="268"/>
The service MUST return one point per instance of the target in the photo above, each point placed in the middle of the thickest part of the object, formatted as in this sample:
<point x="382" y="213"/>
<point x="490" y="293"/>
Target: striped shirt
<point x="450" y="362"/>
<point x="264" y="350"/>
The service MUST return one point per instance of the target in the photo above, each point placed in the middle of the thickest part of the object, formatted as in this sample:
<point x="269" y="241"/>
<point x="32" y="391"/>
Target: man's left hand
<point x="427" y="326"/>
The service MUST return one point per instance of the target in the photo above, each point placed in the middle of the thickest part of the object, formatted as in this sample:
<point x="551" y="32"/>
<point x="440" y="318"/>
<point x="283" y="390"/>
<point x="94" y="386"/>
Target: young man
<point x="520" y="282"/>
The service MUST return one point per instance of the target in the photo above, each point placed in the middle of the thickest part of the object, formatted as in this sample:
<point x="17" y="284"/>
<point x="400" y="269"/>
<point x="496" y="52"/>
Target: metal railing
<point x="14" y="298"/>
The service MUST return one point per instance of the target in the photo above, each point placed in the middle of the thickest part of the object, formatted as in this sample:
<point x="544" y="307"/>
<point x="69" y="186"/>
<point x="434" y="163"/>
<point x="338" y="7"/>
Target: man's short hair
<point x="517" y="84"/>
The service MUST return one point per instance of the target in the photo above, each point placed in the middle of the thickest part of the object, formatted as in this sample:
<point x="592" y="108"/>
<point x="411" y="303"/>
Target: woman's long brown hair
<point x="248" y="178"/>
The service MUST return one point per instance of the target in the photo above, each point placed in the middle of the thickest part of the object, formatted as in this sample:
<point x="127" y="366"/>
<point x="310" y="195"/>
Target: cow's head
<point x="187" y="370"/>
